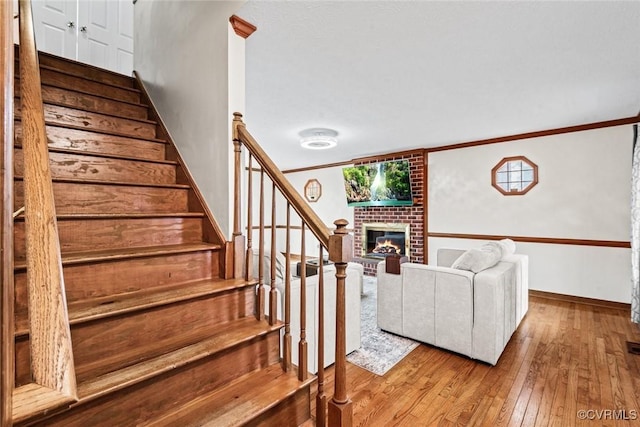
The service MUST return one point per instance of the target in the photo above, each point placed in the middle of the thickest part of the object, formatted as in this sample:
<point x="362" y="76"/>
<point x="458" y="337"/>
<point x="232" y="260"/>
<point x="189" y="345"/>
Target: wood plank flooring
<point x="564" y="358"/>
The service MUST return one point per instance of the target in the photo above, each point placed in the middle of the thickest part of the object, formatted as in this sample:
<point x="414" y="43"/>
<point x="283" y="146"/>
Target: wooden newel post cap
<point x="237" y="121"/>
<point x="341" y="243"/>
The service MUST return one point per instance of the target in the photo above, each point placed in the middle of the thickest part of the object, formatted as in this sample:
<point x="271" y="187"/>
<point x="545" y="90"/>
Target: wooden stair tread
<point x="32" y="400"/>
<point x="100" y="131"/>
<point x="92" y="110"/>
<point x="137" y="104"/>
<point x="71" y="258"/>
<point x="103" y="155"/>
<point x="47" y="57"/>
<point x="82" y="311"/>
<point x="102" y="113"/>
<point x="260" y="390"/>
<point x="125" y="138"/>
<point x="80" y="76"/>
<point x="81" y="216"/>
<point x="232" y="334"/>
<point x="114" y="305"/>
<point x="102" y="182"/>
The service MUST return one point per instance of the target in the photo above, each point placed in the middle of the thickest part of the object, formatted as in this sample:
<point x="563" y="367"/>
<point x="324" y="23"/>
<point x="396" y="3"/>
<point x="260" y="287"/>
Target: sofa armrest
<point x="494" y="311"/>
<point x="431" y="295"/>
<point x="389" y="300"/>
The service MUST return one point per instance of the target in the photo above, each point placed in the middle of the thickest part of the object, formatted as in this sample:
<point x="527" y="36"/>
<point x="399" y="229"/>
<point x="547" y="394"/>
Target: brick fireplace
<point x="410" y="217"/>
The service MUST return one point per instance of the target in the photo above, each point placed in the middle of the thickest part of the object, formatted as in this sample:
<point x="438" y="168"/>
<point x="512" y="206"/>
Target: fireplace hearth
<point x="381" y="240"/>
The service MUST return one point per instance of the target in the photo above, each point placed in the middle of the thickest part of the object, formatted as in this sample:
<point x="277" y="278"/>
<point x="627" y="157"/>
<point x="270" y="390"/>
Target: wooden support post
<point x="286" y="360"/>
<point x="303" y="361"/>
<point x="340" y="252"/>
<point x="273" y="295"/>
<point x="260" y="296"/>
<point x="321" y="397"/>
<point x="248" y="262"/>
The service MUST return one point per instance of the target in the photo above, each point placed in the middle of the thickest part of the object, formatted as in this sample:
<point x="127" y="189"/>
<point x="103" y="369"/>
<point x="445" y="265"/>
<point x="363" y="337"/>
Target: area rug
<point x="379" y="350"/>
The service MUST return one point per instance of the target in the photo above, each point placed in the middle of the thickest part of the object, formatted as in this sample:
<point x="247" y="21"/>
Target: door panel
<point x="55" y="23"/>
<point x="102" y="42"/>
<point x="96" y="32"/>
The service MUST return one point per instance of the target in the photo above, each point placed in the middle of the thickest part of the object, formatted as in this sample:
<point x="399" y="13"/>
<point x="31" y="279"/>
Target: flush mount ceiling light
<point x="318" y="138"/>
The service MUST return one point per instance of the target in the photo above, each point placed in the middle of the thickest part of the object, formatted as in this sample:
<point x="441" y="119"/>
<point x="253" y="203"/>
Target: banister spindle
<point x="260" y="304"/>
<point x="340" y="252"/>
<point x="273" y="302"/>
<point x="249" y="256"/>
<point x="238" y="238"/>
<point x="286" y="351"/>
<point x="321" y="397"/>
<point x="302" y="345"/>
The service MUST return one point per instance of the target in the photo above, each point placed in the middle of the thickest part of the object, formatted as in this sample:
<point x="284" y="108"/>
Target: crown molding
<point x="242" y="28"/>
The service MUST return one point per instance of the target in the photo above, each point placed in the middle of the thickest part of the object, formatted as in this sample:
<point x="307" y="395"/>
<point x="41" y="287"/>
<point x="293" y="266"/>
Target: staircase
<point x="160" y="336"/>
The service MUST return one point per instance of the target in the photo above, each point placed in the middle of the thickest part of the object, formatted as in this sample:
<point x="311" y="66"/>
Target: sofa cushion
<point x="478" y="259"/>
<point x="508" y="247"/>
<point x="281" y="262"/>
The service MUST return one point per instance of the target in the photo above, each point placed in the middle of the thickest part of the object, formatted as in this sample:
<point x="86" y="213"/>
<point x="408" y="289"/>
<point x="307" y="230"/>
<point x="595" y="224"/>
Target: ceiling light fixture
<point x="319" y="138"/>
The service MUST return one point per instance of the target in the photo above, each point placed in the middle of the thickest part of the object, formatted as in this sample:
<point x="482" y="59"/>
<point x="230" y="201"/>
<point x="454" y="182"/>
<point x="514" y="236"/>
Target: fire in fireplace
<point x="381" y="240"/>
<point x="389" y="244"/>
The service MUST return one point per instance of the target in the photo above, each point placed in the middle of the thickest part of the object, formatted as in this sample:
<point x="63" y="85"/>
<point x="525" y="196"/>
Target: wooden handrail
<point x="6" y="180"/>
<point x="315" y="224"/>
<point x="50" y="338"/>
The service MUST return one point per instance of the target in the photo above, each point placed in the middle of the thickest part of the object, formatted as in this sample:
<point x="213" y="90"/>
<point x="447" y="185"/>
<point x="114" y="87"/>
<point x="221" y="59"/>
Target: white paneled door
<point x="96" y="32"/>
<point x="55" y="24"/>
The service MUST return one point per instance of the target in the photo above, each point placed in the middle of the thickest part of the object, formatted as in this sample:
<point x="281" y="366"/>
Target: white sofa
<point x="474" y="314"/>
<point x="355" y="273"/>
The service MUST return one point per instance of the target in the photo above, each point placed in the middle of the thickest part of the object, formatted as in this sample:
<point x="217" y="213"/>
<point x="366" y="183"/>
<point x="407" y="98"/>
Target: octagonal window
<point x="514" y="176"/>
<point x="312" y="190"/>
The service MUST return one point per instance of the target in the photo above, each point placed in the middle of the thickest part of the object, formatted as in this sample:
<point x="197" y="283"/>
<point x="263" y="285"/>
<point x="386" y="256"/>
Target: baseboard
<point x="580" y="300"/>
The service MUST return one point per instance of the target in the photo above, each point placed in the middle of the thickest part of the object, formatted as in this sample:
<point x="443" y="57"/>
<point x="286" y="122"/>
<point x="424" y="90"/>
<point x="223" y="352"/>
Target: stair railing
<point x="339" y="246"/>
<point x="52" y="367"/>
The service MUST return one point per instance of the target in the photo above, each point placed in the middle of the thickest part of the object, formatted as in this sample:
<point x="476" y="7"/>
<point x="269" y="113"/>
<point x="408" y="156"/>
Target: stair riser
<point x="101" y="347"/>
<point x="90" y="198"/>
<point x="70" y="98"/>
<point x="80" y="140"/>
<point x="55" y="78"/>
<point x="83" y="235"/>
<point x="65" y="116"/>
<point x="81" y="166"/>
<point x="23" y="358"/>
<point x="290" y="413"/>
<point x="85" y="281"/>
<point x="138" y="404"/>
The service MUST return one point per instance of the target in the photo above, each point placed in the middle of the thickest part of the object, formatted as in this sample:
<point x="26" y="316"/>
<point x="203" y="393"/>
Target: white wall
<point x="182" y="53"/>
<point x="583" y="193"/>
<point x="332" y="204"/>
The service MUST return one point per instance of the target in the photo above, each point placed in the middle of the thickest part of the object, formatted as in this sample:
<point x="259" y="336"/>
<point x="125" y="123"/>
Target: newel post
<point x="238" y="238"/>
<point x="340" y="252"/>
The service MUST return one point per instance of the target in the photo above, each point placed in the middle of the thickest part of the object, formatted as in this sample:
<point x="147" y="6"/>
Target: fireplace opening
<point x="383" y="240"/>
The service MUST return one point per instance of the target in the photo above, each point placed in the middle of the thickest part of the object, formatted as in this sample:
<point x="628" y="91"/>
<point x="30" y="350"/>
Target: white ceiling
<point x="396" y="75"/>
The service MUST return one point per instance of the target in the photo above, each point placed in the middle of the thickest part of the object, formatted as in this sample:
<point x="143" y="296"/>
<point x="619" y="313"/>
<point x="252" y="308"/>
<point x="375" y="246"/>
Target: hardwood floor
<point x="564" y="358"/>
